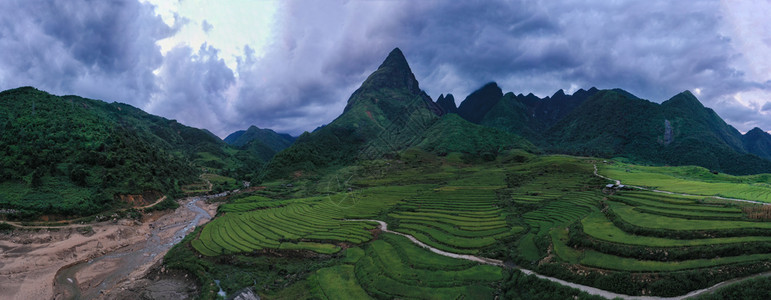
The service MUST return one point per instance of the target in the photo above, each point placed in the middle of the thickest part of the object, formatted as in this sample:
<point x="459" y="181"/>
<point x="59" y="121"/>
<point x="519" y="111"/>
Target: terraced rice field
<point x="456" y="219"/>
<point x="252" y="203"/>
<point x="392" y="267"/>
<point x="599" y="227"/>
<point x="286" y="227"/>
<point x="315" y="224"/>
<point x="562" y="210"/>
<point x="550" y="214"/>
<point x="692" y="180"/>
<point x="642" y="231"/>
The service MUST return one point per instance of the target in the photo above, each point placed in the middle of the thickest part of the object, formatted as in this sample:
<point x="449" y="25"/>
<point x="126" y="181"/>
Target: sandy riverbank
<point x="31" y="258"/>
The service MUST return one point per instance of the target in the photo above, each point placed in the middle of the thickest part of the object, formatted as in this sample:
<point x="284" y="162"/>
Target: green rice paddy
<point x="692" y="180"/>
<point x="549" y="214"/>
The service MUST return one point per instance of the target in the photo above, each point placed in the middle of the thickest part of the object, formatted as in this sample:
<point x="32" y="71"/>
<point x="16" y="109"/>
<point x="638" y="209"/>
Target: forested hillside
<point x="71" y="156"/>
<point x="680" y="131"/>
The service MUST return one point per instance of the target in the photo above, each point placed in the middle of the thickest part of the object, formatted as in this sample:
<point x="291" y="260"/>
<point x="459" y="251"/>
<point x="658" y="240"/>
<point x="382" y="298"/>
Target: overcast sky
<point x="291" y="65"/>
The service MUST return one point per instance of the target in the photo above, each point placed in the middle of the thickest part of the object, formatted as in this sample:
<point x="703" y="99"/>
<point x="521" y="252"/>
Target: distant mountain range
<point x="390" y="113"/>
<point x="264" y="143"/>
<point x="615" y="123"/>
<point x="73" y="156"/>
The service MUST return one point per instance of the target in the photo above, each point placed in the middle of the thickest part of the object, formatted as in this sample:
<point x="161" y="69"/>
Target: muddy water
<point x="125" y="262"/>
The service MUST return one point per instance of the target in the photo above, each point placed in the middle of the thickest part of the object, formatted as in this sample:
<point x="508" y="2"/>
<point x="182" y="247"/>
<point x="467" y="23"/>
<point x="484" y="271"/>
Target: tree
<point x="78" y="175"/>
<point x="36" y="179"/>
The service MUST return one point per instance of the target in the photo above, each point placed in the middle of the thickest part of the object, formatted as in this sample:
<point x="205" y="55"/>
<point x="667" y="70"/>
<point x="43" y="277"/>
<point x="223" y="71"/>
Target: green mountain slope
<point x="387" y="113"/>
<point x="758" y="142"/>
<point x="601" y="127"/>
<point x="530" y="116"/>
<point x="685" y="110"/>
<point x="548" y="111"/>
<point x="679" y="131"/>
<point x="263" y="143"/>
<point x="454" y="134"/>
<point x="511" y="114"/>
<point x="72" y="156"/>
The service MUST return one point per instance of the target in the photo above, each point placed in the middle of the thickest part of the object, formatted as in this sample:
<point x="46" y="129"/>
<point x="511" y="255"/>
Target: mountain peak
<point x="395" y="59"/>
<point x="758" y="142"/>
<point x="492" y="85"/>
<point x="476" y="105"/>
<point x="684" y="99"/>
<point x="755" y="131"/>
<point x="393" y="73"/>
<point x="447" y="104"/>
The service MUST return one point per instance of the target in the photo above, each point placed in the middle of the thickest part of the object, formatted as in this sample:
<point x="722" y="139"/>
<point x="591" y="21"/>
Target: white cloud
<point x="233" y="24"/>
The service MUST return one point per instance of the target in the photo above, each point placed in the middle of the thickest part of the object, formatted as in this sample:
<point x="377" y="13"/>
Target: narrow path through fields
<point x="584" y="288"/>
<point x="68" y="223"/>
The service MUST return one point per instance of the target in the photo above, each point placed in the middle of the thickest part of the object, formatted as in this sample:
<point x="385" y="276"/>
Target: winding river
<point x="129" y="260"/>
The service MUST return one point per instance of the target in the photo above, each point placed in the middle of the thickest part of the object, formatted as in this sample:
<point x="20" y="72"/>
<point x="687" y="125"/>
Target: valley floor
<point x="31" y="258"/>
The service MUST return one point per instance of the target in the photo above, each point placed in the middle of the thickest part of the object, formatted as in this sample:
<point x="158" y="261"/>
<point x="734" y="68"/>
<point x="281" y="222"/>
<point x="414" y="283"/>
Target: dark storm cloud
<point x="193" y="87"/>
<point x="321" y="52"/>
<point x="304" y="78"/>
<point x="98" y="49"/>
<point x="654" y="49"/>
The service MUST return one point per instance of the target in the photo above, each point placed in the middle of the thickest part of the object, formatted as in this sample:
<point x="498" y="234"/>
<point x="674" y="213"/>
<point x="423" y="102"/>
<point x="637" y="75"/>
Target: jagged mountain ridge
<point x="679" y="131"/>
<point x="381" y="115"/>
<point x="526" y="115"/>
<point x="386" y="114"/>
<point x="447" y="104"/>
<point x="614" y="122"/>
<point x="530" y="116"/>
